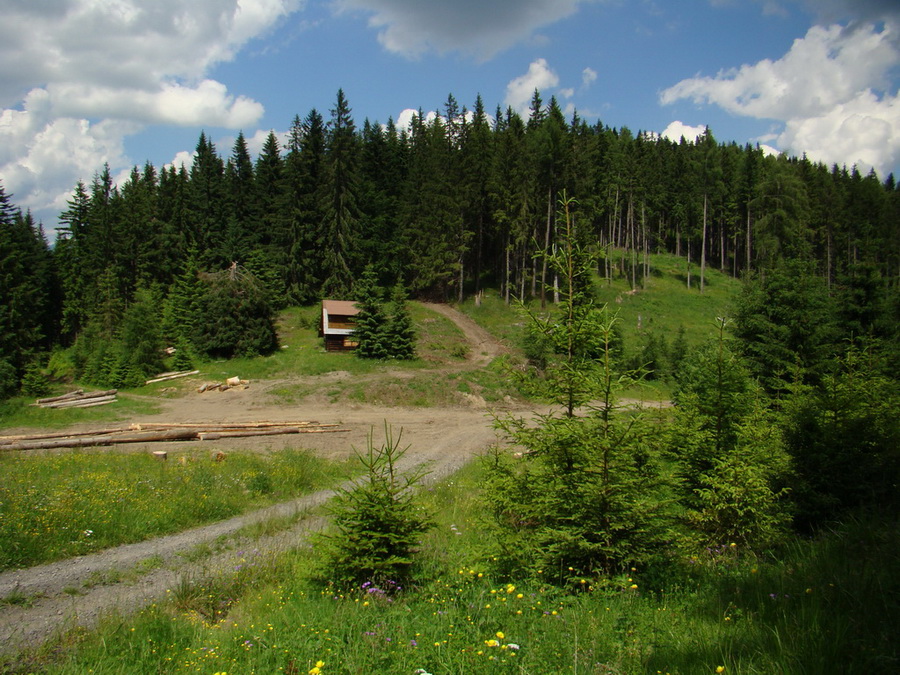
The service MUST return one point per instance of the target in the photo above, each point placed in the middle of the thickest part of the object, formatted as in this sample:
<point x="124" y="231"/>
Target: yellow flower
<point x="633" y="586"/>
<point x="500" y="635"/>
<point x="720" y="669"/>
<point x="492" y="643"/>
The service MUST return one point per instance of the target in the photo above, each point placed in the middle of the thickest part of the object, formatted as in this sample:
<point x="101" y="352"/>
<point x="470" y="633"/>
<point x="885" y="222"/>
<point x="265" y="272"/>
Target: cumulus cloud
<point x="412" y="27"/>
<point x="78" y="76"/>
<point x="832" y="91"/>
<point x="678" y="130"/>
<point x="588" y="77"/>
<point x="521" y="89"/>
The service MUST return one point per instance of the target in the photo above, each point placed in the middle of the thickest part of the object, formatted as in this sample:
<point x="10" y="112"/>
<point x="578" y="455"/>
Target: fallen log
<point x="165" y="377"/>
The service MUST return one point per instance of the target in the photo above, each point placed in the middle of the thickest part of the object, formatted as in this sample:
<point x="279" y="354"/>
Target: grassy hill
<point x="664" y="303"/>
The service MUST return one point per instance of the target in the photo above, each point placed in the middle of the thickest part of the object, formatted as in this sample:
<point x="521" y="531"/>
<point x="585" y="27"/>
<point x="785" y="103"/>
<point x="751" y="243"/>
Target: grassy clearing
<point x="664" y="305"/>
<point x="301" y="355"/>
<point x="667" y="304"/>
<point x="58" y="506"/>
<point x="830" y="606"/>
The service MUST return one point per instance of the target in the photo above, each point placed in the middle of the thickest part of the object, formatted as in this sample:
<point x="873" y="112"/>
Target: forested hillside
<point x="457" y="202"/>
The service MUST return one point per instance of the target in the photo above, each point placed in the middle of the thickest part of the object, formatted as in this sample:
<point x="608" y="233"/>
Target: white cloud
<point x="588" y="77"/>
<point x="677" y="129"/>
<point x="413" y="27"/>
<point x="832" y="92"/>
<point x="864" y="131"/>
<point x="521" y="89"/>
<point x="78" y="76"/>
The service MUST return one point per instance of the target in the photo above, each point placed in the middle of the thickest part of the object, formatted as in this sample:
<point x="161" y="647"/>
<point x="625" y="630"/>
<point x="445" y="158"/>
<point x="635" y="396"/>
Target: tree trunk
<point x="747" y="252"/>
<point x="546" y="248"/>
<point x="703" y="248"/>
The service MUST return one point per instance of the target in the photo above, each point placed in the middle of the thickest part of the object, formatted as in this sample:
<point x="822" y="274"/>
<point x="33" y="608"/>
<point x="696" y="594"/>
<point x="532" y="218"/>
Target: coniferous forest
<point x="460" y="201"/>
<point x="784" y="420"/>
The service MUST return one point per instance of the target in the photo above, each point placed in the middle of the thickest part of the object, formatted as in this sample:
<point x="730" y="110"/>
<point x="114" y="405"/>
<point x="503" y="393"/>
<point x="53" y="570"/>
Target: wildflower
<point x="492" y="643"/>
<point x="721" y="669"/>
<point x="513" y="646"/>
<point x="316" y="669"/>
<point x="500" y="635"/>
<point x="633" y="586"/>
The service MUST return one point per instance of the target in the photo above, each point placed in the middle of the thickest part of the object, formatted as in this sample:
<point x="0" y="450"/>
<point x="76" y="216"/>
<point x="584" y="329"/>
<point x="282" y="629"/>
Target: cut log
<point x="111" y="439"/>
<point x="218" y="426"/>
<point x="73" y="397"/>
<point x="63" y="397"/>
<point x="59" y="434"/>
<point x="172" y="376"/>
<point x="241" y="433"/>
<point x="162" y="433"/>
<point x="82" y="402"/>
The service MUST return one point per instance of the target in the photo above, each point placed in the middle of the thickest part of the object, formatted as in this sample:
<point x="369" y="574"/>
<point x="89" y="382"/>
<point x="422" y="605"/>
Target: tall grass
<point x="57" y="506"/>
<point x="829" y="606"/>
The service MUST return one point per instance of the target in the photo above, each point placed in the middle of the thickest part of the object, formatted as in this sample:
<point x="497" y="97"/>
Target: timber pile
<point x="78" y="399"/>
<point x="154" y="433"/>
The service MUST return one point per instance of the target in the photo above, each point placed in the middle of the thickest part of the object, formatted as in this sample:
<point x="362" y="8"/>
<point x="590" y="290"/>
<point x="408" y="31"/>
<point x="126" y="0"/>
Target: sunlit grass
<point x="829" y="606"/>
<point x="61" y="505"/>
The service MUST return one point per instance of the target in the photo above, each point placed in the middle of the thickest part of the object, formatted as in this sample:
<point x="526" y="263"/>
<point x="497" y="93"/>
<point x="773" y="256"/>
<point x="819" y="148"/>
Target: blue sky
<point x="83" y="82"/>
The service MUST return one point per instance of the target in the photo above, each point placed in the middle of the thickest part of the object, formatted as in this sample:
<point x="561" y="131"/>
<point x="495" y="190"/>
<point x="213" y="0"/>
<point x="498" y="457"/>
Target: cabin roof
<point x="340" y="307"/>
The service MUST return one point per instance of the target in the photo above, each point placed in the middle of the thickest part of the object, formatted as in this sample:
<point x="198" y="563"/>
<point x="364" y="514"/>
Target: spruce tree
<point x="401" y="333"/>
<point x="370" y="331"/>
<point x="586" y="498"/>
<point x="236" y="319"/>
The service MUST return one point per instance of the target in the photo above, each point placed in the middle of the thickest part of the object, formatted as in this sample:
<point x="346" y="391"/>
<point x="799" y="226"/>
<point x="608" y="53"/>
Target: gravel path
<point x="44" y="600"/>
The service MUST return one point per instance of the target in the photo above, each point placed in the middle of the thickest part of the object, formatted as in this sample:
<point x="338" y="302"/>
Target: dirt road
<point x="77" y="592"/>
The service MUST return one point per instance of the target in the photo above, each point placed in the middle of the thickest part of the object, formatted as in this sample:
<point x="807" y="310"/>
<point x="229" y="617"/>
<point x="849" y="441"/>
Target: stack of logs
<point x="78" y="399"/>
<point x="152" y="433"/>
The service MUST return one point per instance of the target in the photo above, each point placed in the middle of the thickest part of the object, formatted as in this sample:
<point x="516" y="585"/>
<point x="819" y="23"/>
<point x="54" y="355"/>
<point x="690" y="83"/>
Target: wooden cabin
<point x="338" y="322"/>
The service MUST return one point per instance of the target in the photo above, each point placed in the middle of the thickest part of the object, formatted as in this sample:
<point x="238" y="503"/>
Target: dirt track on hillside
<point x="77" y="592"/>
